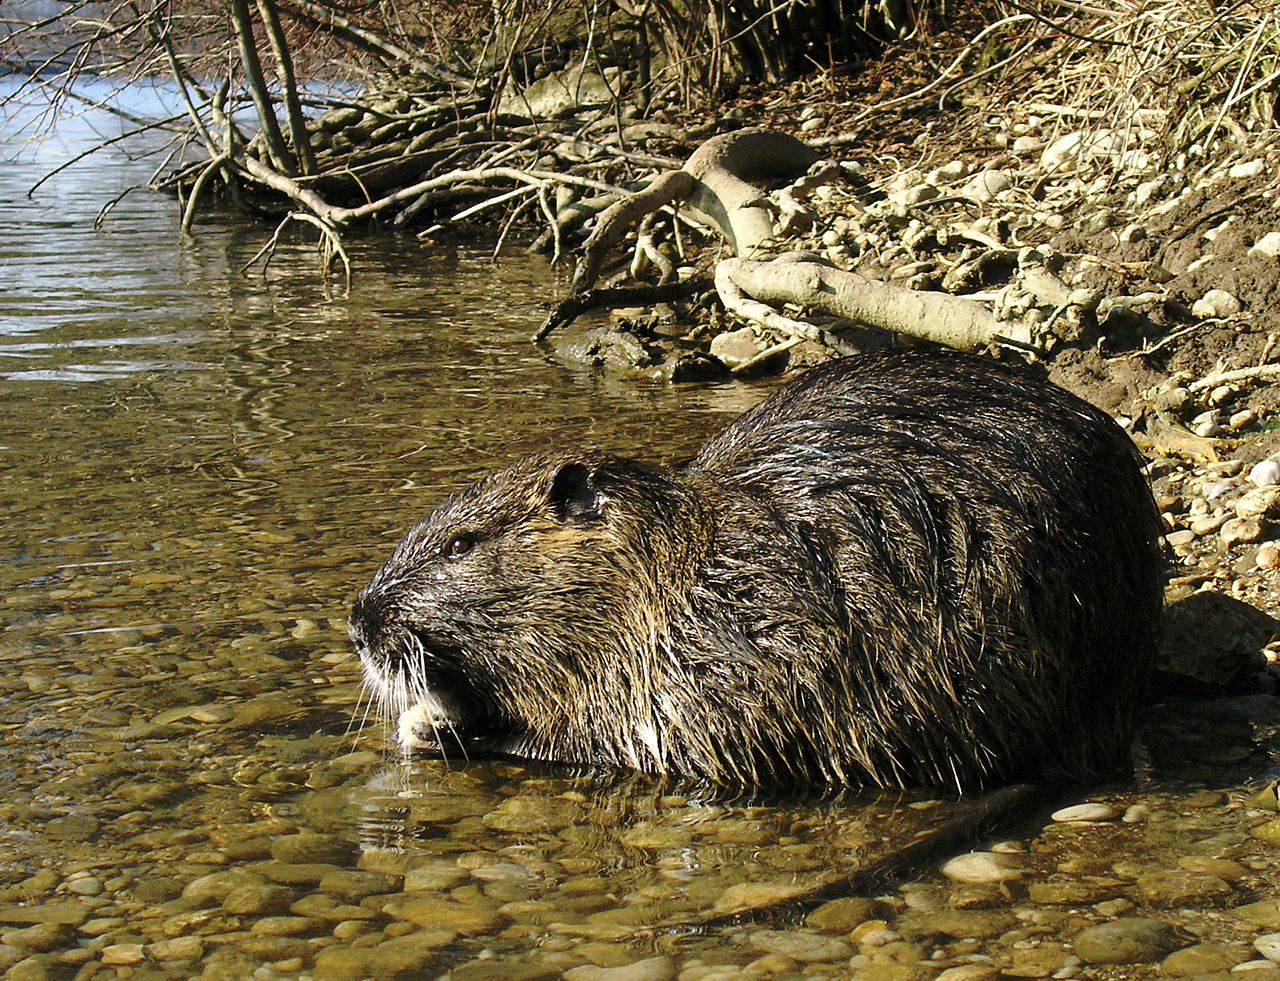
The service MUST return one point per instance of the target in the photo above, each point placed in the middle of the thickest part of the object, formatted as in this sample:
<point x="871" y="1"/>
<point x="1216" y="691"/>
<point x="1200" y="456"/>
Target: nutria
<point x="916" y="567"/>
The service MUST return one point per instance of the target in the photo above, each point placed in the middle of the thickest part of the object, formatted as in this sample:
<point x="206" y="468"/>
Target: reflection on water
<point x="201" y="468"/>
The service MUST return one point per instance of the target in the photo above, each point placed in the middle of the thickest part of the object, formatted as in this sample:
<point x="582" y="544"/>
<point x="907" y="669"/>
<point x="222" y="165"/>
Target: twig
<point x="749" y="365"/>
<point x="476" y="208"/>
<point x="1239" y="374"/>
<point x="330" y="245"/>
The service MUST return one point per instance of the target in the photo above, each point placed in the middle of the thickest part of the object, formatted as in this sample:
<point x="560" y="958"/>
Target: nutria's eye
<point x="458" y="545"/>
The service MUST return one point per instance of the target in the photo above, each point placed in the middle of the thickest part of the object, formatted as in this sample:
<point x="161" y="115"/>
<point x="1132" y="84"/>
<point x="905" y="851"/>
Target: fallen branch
<point x="749" y="288"/>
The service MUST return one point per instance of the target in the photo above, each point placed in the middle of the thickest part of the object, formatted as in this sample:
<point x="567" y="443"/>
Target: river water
<point x="201" y="467"/>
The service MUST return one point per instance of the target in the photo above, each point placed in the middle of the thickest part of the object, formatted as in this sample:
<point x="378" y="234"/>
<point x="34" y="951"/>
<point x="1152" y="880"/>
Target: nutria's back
<point x="916" y="567"/>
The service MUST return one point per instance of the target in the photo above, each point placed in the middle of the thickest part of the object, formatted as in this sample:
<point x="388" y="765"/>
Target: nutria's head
<point x="496" y="624"/>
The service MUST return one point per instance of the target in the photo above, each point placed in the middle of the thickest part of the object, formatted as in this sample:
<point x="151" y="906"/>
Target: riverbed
<point x="202" y="464"/>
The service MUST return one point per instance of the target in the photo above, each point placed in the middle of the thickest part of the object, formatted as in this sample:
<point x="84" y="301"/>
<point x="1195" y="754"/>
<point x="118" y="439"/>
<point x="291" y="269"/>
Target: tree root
<point x="329" y="246"/>
<point x="577" y="304"/>
<point x="722" y="182"/>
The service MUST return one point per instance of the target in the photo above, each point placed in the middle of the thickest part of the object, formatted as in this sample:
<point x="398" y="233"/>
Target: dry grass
<point x="1203" y="76"/>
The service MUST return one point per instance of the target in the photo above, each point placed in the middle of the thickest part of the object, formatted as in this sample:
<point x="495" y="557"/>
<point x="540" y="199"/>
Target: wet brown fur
<point x="909" y="568"/>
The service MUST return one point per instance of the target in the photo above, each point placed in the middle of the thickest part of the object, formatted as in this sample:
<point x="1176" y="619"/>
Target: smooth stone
<point x="737" y="347"/>
<point x="73" y="827"/>
<point x="123" y="954"/>
<point x="1268" y="831"/>
<point x="982" y="867"/>
<point x="524" y="814"/>
<point x="504" y="969"/>
<point x="1037" y="962"/>
<point x="970" y="972"/>
<point x="73" y="913"/>
<point x="1203" y="959"/>
<point x="841" y="915"/>
<point x="1268" y="245"/>
<point x="1265" y="474"/>
<point x="296" y="874"/>
<point x="177" y="949"/>
<point x="30" y="969"/>
<point x="804" y="947"/>
<point x="1069" y="892"/>
<point x="1238" y="531"/>
<point x="1257" y="503"/>
<point x="986" y="185"/>
<point x="355" y="886"/>
<point x="649" y="969"/>
<point x="1241" y="419"/>
<point x="326" y="908"/>
<point x="439" y="877"/>
<point x="252" y="900"/>
<point x="1177" y="888"/>
<point x="1087" y="812"/>
<point x="976" y="924"/>
<point x="213" y="888"/>
<point x="1265" y="913"/>
<point x="308" y="848"/>
<point x="1136" y="814"/>
<point x="1215" y="303"/>
<point x="85" y="885"/>
<point x="753" y="895"/>
<point x="392" y="958"/>
<point x="42" y="937"/>
<point x="1131" y="940"/>
<point x="1223" y="868"/>
<point x="1268" y="945"/>
<point x="444" y="914"/>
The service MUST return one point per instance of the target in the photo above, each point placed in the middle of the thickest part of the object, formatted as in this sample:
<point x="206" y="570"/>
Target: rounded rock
<point x="1265" y="474"/>
<point x="1136" y="814"/>
<point x="1215" y="303"/>
<point x="1268" y="245"/>
<point x="986" y="185"/>
<point x="1086" y="813"/>
<point x="1268" y="557"/>
<point x="1203" y="959"/>
<point x="41" y="937"/>
<point x="123" y="955"/>
<point x="1177" y="888"/>
<point x="1241" y="419"/>
<point x="176" y="949"/>
<point x="1240" y="531"/>
<point x="649" y="969"/>
<point x="982" y="867"/>
<point x="807" y="948"/>
<point x="1131" y="940"/>
<point x="1268" y="945"/>
<point x="313" y="848"/>
<point x="1258" y="503"/>
<point x="970" y="972"/>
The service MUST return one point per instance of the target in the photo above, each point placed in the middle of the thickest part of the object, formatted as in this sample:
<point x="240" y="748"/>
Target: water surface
<point x="200" y="468"/>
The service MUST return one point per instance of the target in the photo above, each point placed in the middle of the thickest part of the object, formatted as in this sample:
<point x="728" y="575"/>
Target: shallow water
<point x="200" y="469"/>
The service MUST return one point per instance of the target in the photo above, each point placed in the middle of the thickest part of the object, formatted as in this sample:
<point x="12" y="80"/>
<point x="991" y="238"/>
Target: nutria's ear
<point x="574" y="495"/>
